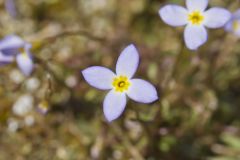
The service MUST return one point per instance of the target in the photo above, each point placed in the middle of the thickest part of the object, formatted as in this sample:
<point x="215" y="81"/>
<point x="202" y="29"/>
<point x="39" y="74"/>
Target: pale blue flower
<point x="196" y="18"/>
<point x="10" y="6"/>
<point x="120" y="84"/>
<point x="14" y="48"/>
<point x="233" y="24"/>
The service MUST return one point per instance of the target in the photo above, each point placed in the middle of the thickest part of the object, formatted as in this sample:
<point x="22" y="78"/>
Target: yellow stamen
<point x="121" y="83"/>
<point x="23" y="52"/>
<point x="235" y="25"/>
<point x="195" y="17"/>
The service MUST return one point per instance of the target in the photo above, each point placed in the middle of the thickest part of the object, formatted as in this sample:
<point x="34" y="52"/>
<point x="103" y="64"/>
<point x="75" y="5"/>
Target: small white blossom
<point x="32" y="84"/>
<point x="29" y="120"/>
<point x="23" y="105"/>
<point x="13" y="125"/>
<point x="16" y="76"/>
<point x="71" y="81"/>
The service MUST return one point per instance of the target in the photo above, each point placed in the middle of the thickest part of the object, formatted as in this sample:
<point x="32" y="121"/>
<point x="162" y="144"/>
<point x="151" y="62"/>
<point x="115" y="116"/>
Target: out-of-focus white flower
<point x="23" y="105"/>
<point x="29" y="120"/>
<point x="71" y="81"/>
<point x="32" y="84"/>
<point x="94" y="5"/>
<point x="117" y="154"/>
<point x="63" y="54"/>
<point x="16" y="76"/>
<point x="137" y="131"/>
<point x="13" y="125"/>
<point x="61" y="153"/>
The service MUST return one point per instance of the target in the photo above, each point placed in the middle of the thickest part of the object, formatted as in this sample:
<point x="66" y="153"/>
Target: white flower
<point x="29" y="120"/>
<point x="16" y="76"/>
<point x="233" y="24"/>
<point x="71" y="81"/>
<point x="13" y="125"/>
<point x="196" y="18"/>
<point x="32" y="84"/>
<point x="120" y="84"/>
<point x="23" y="105"/>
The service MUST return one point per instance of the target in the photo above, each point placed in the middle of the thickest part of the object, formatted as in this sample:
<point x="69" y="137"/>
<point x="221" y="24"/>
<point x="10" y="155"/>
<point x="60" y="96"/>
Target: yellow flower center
<point x="121" y="83"/>
<point x="23" y="52"/>
<point x="195" y="17"/>
<point x="235" y="25"/>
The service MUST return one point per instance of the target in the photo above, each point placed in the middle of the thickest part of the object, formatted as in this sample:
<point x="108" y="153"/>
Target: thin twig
<point x="75" y="33"/>
<point x="49" y="39"/>
<point x="46" y="67"/>
<point x="170" y="77"/>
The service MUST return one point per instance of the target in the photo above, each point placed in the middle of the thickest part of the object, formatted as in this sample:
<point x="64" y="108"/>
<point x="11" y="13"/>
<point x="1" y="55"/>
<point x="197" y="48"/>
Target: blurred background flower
<point x="233" y="25"/>
<point x="13" y="47"/>
<point x="10" y="6"/>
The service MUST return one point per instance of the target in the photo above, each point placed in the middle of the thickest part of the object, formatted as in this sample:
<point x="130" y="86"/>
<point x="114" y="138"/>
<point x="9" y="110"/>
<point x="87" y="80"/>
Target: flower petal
<point x="229" y="26"/>
<point x="236" y="14"/>
<point x="10" y="6"/>
<point x="216" y="17"/>
<point x="128" y="61"/>
<point x="142" y="91"/>
<point x="25" y="63"/>
<point x="99" y="77"/>
<point x="4" y="59"/>
<point x="114" y="105"/>
<point x="195" y="36"/>
<point x="174" y="15"/>
<point x="10" y="44"/>
<point x="233" y="25"/>
<point x="199" y="5"/>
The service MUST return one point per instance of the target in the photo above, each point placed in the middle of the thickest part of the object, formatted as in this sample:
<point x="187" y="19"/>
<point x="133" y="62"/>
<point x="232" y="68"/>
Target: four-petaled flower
<point x="120" y="84"/>
<point x="196" y="19"/>
<point x="233" y="24"/>
<point x="13" y="47"/>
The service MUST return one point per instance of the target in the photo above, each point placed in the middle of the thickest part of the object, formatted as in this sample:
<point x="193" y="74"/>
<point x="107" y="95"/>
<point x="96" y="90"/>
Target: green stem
<point x="171" y="76"/>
